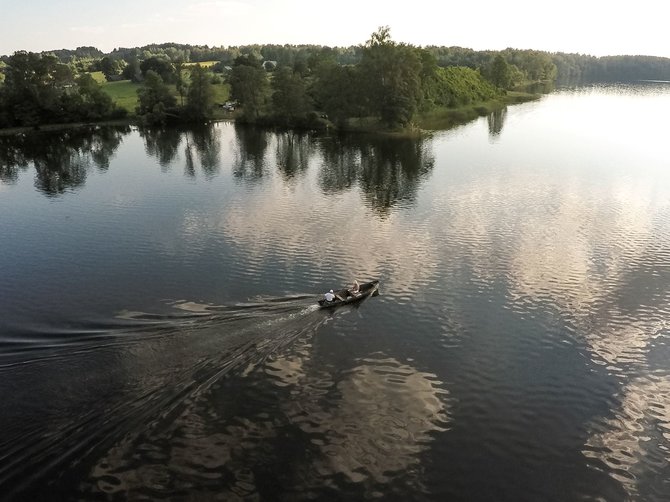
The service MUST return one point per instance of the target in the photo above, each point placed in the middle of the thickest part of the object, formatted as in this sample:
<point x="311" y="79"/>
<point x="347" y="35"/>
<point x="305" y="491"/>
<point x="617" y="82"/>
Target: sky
<point x="595" y="27"/>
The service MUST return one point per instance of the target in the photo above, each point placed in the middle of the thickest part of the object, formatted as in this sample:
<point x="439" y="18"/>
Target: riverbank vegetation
<point x="381" y="84"/>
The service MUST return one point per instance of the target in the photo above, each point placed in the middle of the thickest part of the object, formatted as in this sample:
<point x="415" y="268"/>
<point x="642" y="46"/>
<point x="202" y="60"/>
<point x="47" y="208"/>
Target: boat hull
<point x="344" y="296"/>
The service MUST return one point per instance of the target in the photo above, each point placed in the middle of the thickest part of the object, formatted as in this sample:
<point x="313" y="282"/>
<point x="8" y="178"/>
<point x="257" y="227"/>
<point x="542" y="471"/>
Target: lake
<point x="160" y="336"/>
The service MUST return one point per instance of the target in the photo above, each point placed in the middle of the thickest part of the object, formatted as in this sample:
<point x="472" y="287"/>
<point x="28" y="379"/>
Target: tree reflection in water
<point x="293" y="154"/>
<point x="388" y="170"/>
<point x="249" y="161"/>
<point x="202" y="145"/>
<point x="496" y="121"/>
<point x="206" y="143"/>
<point x="61" y="159"/>
<point x="162" y="143"/>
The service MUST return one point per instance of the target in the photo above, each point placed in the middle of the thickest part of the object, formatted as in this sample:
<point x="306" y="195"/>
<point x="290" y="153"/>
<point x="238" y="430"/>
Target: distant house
<point x="269" y="65"/>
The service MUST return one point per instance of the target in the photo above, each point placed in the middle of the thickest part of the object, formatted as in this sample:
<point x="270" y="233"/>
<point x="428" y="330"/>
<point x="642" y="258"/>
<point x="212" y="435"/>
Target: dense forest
<point x="290" y="85"/>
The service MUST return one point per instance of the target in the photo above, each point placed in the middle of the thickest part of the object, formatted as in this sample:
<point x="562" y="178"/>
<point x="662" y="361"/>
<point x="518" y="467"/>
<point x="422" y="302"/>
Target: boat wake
<point x="72" y="391"/>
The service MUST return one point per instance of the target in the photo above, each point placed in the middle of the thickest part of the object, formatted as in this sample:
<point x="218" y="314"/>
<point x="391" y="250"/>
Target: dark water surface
<point x="159" y="337"/>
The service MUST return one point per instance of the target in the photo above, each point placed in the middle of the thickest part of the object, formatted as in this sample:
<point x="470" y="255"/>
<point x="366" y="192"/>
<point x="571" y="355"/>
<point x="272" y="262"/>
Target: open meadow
<point x="124" y="93"/>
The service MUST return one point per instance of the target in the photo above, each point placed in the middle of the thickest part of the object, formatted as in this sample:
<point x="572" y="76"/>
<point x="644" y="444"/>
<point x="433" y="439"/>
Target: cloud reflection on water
<point x="381" y="419"/>
<point x="585" y="248"/>
<point x="601" y="268"/>
<point x="366" y="426"/>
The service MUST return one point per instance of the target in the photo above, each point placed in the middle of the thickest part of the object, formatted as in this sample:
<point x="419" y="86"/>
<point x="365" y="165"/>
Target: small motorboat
<point x="344" y="296"/>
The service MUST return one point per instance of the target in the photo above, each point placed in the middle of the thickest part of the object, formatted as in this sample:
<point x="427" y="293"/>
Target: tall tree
<point x="290" y="102"/>
<point x="155" y="99"/>
<point x="249" y="85"/>
<point x="161" y="66"/>
<point x="33" y="88"/>
<point x="500" y="72"/>
<point x="110" y="67"/>
<point x="391" y="76"/>
<point x="200" y="94"/>
<point x="87" y="101"/>
<point x="132" y="71"/>
<point x="180" y="83"/>
<point x="336" y="91"/>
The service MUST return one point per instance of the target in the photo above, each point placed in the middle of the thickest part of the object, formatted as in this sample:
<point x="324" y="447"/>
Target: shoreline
<point x="439" y="119"/>
<point x="15" y="131"/>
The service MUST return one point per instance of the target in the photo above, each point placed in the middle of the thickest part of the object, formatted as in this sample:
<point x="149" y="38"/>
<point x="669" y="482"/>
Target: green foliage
<point x="200" y="95"/>
<point x="249" y="85"/>
<point x="155" y="101"/>
<point x="160" y="66"/>
<point x="249" y="60"/>
<point x="390" y="75"/>
<point x="616" y="68"/>
<point x="132" y="71"/>
<point x="535" y="64"/>
<point x="290" y="101"/>
<point x="180" y="81"/>
<point x="336" y="92"/>
<point x="33" y="88"/>
<point x="110" y="67"/>
<point x="68" y="55"/>
<point x="463" y="86"/>
<point x="89" y="102"/>
<point x="41" y="90"/>
<point x="380" y="80"/>
<point x="500" y="73"/>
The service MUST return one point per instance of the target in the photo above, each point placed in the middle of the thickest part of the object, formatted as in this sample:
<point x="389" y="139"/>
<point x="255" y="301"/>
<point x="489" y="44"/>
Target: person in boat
<point x="355" y="289"/>
<point x="329" y="297"/>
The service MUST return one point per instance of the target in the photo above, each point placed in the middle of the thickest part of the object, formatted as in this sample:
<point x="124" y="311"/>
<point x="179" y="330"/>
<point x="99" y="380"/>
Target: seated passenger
<point x="329" y="297"/>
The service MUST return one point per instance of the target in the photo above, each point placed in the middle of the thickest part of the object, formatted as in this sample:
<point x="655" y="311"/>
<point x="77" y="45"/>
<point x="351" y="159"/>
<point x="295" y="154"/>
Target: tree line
<point x="38" y="89"/>
<point x="391" y="84"/>
<point x="291" y="85"/>
<point x="531" y="64"/>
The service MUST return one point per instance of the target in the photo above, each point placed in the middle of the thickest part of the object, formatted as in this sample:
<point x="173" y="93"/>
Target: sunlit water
<point x="160" y="339"/>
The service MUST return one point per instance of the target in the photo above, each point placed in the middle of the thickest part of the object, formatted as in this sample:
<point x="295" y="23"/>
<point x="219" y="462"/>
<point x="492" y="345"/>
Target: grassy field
<point x="221" y="93"/>
<point x="124" y="93"/>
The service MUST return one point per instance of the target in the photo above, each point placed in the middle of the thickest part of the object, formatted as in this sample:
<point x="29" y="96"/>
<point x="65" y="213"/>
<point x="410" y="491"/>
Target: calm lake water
<point x="159" y="336"/>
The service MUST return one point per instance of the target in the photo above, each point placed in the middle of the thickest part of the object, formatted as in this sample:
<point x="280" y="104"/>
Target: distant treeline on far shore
<point x="384" y="81"/>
